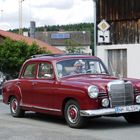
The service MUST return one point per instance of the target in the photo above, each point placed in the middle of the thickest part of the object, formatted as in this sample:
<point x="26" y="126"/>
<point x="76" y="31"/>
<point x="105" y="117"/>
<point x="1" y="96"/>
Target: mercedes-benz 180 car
<point x="77" y="87"/>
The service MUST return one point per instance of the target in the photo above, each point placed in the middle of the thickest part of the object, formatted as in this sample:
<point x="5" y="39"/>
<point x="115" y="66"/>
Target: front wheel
<point x="15" y="108"/>
<point x="133" y="117"/>
<point x="72" y="115"/>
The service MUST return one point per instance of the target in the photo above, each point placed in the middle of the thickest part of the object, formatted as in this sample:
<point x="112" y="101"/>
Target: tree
<point x="14" y="53"/>
<point x="72" y="46"/>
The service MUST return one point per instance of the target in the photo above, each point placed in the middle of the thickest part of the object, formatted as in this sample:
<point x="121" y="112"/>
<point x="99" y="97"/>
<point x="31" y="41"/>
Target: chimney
<point x="32" y="29"/>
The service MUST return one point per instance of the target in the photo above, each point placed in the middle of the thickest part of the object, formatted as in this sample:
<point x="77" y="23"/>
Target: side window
<point x="45" y="71"/>
<point x="30" y="71"/>
<point x="95" y="66"/>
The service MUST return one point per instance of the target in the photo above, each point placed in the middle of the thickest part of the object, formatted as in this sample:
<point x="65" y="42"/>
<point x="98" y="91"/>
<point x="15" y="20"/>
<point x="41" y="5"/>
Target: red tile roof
<point x="17" y="37"/>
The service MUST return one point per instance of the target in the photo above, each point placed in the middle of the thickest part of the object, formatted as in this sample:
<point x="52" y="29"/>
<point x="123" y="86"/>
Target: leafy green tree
<point x="14" y="53"/>
<point x="72" y="46"/>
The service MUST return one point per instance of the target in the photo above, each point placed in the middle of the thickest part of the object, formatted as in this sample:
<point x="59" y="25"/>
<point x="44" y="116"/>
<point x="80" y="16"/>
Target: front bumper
<point x="110" y="111"/>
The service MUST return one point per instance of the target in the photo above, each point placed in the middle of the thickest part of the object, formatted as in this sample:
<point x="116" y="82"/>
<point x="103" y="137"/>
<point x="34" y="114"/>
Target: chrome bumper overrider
<point x="110" y="111"/>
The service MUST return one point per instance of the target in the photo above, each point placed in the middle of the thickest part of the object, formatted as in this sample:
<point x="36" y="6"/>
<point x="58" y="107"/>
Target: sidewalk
<point x="0" y="97"/>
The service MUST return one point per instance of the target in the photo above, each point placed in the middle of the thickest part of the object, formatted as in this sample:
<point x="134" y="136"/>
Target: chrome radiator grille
<point x="120" y="93"/>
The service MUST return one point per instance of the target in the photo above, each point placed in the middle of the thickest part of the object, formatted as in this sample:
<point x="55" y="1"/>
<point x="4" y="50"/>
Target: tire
<point x="15" y="109"/>
<point x="133" y="117"/>
<point x="72" y="115"/>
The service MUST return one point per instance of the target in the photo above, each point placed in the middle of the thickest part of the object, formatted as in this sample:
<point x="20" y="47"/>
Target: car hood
<point x="98" y="80"/>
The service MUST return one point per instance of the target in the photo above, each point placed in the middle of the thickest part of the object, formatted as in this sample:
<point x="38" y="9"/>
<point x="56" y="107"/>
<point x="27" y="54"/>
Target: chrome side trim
<point x="42" y="108"/>
<point x="101" y="112"/>
<point x="49" y="109"/>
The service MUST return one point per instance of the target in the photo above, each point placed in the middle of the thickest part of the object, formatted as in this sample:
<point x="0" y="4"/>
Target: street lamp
<point x="20" y="16"/>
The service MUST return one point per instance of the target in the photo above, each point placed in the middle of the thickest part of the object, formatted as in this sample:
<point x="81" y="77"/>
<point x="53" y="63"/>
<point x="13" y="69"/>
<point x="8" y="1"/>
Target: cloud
<point x="45" y="12"/>
<point x="4" y="25"/>
<point x="80" y="12"/>
<point x="57" y="4"/>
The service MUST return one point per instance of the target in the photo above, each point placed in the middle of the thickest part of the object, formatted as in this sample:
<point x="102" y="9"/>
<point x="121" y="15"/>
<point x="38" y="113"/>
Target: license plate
<point x="125" y="109"/>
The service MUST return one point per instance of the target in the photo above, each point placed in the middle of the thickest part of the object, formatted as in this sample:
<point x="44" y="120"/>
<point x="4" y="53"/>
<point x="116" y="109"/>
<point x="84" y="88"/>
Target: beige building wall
<point x="133" y="57"/>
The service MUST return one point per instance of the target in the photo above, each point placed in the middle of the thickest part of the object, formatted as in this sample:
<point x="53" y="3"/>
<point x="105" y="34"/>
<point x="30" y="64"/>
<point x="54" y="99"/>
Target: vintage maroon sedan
<point x="74" y="86"/>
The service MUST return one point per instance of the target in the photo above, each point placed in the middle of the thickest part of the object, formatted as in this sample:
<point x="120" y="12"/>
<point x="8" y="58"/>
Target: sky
<point x="45" y="12"/>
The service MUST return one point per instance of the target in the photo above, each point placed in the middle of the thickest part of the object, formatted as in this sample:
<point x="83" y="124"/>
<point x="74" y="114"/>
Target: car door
<point x="26" y="83"/>
<point x="44" y="86"/>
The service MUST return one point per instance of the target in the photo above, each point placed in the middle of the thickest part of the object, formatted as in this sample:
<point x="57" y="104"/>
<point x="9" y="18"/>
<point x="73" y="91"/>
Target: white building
<point x="127" y="58"/>
<point x="121" y="53"/>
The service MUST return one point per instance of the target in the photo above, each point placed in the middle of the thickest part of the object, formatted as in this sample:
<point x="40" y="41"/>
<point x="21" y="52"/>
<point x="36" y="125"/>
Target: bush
<point x="14" y="53"/>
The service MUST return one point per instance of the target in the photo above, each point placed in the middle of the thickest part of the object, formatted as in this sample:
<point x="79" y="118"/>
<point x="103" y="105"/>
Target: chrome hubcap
<point x="72" y="113"/>
<point x="14" y="105"/>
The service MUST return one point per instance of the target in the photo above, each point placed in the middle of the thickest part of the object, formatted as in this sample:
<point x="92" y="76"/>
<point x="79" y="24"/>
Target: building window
<point x="60" y="36"/>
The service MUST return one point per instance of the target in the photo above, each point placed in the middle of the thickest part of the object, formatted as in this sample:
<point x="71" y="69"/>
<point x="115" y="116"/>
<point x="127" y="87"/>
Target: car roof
<point x="58" y="57"/>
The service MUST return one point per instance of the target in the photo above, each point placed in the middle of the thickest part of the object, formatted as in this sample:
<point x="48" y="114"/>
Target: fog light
<point x="138" y="99"/>
<point x="105" y="102"/>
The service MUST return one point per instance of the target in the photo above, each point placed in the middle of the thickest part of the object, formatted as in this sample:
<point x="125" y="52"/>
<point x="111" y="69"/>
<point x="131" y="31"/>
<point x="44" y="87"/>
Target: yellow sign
<point x="103" y="25"/>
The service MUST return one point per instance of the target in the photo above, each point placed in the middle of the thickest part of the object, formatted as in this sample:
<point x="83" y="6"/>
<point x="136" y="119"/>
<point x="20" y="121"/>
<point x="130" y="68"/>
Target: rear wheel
<point x="133" y="117"/>
<point x="72" y="114"/>
<point x="15" y="108"/>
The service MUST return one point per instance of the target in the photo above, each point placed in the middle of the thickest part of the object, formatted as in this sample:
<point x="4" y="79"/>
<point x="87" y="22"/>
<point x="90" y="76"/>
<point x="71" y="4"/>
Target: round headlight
<point x="93" y="91"/>
<point x="138" y="99"/>
<point x="105" y="102"/>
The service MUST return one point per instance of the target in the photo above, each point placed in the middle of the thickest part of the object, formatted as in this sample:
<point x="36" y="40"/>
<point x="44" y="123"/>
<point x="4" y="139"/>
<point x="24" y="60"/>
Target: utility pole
<point x="94" y="50"/>
<point x="2" y="10"/>
<point x="1" y="14"/>
<point x="20" y="16"/>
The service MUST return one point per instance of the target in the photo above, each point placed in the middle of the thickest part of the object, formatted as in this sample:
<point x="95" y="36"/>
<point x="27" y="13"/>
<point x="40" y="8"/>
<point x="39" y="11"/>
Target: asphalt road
<point x="43" y="127"/>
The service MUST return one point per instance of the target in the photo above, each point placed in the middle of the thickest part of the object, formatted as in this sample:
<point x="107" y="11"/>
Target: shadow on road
<point x="45" y="118"/>
<point x="110" y="123"/>
<point x="97" y="123"/>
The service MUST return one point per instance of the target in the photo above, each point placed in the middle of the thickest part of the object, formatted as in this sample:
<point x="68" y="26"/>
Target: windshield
<point x="80" y="66"/>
